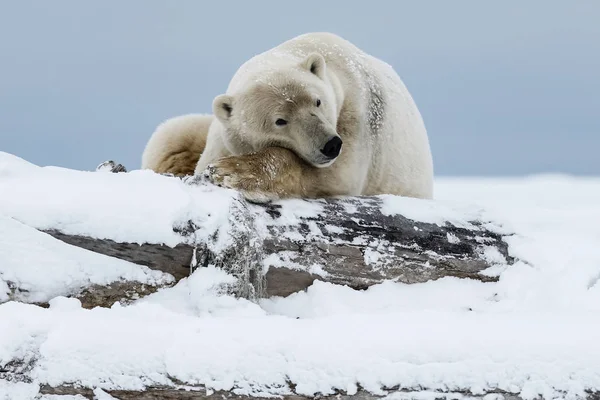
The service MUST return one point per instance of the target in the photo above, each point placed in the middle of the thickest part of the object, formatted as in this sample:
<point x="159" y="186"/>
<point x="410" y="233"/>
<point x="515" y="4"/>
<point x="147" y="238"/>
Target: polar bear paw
<point x="242" y="173"/>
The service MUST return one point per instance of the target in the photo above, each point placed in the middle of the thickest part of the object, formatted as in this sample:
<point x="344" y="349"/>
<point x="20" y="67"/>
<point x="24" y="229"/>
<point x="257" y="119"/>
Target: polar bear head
<point x="294" y="107"/>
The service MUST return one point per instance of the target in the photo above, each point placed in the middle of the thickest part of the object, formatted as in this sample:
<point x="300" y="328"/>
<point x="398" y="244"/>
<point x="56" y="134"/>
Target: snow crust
<point x="535" y="332"/>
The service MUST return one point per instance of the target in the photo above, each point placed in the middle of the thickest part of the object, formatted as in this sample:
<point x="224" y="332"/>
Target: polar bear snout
<point x="332" y="148"/>
<point x="328" y="153"/>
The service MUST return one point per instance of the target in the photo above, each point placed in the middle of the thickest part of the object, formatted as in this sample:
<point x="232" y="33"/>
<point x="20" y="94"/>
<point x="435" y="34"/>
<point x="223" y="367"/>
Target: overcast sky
<point x="505" y="88"/>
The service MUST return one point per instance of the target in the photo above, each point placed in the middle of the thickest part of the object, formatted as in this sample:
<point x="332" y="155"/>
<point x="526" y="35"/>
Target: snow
<point x="43" y="267"/>
<point x="139" y="207"/>
<point x="534" y="332"/>
<point x="434" y="212"/>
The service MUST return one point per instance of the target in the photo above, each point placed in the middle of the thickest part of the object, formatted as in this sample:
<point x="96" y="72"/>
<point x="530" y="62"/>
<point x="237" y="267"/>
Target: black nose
<point x="332" y="148"/>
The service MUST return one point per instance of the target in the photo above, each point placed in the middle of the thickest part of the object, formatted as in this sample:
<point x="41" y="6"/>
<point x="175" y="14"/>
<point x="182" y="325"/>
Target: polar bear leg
<point x="176" y="145"/>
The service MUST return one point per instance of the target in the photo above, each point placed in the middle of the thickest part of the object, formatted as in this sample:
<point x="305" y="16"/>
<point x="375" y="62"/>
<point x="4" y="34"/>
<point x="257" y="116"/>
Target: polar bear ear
<point x="223" y="107"/>
<point x="315" y="63"/>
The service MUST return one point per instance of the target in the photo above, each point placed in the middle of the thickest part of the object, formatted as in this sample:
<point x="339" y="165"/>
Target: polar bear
<point x="176" y="144"/>
<point x="313" y="117"/>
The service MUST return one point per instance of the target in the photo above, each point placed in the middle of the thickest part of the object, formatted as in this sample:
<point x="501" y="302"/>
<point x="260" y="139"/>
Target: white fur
<point x="385" y="146"/>
<point x="396" y="159"/>
<point x="185" y="134"/>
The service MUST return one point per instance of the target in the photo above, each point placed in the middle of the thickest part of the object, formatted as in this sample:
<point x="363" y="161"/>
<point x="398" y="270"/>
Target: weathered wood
<point x="346" y="241"/>
<point x="111" y="166"/>
<point x="107" y="295"/>
<point x="355" y="244"/>
<point x="172" y="260"/>
<point x="200" y="393"/>
<point x="123" y="292"/>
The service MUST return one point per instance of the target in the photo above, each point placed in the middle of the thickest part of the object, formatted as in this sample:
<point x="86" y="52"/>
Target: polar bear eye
<point x="318" y="102"/>
<point x="281" y="122"/>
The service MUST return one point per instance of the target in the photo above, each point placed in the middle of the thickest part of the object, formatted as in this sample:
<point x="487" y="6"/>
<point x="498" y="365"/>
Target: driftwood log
<point x="349" y="241"/>
<point x="200" y="393"/>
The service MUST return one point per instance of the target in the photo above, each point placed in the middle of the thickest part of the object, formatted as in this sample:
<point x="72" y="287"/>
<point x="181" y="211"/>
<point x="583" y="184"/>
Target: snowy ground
<point x="536" y="331"/>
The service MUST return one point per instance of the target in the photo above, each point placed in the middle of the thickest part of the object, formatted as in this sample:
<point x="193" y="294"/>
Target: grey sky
<point x="505" y="88"/>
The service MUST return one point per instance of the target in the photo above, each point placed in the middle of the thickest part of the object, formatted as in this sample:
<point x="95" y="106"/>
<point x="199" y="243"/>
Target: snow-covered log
<point x="279" y="249"/>
<point x="273" y="250"/>
<point x="200" y="393"/>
